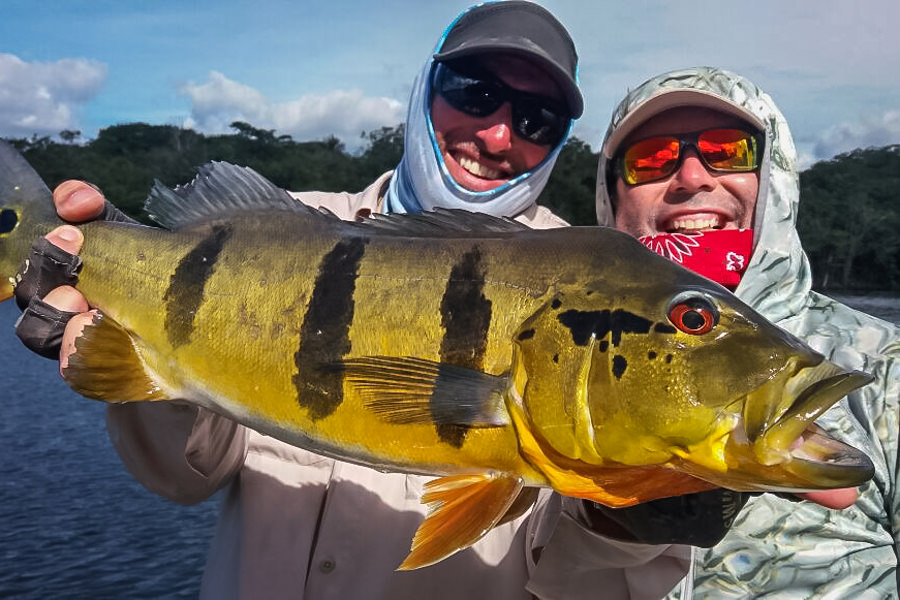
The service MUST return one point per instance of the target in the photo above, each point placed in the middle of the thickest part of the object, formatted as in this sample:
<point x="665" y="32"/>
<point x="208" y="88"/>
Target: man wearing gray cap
<point x="488" y="115"/>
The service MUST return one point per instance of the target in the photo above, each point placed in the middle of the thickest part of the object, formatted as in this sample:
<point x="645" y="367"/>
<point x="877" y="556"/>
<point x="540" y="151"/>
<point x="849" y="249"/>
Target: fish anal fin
<point x="106" y="366"/>
<point x="461" y="510"/>
<point x="409" y="390"/>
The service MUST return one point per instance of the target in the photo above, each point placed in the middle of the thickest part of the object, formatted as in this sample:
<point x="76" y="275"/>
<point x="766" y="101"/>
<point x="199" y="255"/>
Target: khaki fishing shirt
<point x="297" y="525"/>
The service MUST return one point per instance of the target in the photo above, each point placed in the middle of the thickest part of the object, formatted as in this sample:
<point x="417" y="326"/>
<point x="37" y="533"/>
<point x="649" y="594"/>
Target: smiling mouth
<point x="477" y="169"/>
<point x="690" y="224"/>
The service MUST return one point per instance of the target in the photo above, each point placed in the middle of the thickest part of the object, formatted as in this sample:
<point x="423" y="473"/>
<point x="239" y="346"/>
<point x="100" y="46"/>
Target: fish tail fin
<point x="107" y="366"/>
<point x="461" y="509"/>
<point x="26" y="213"/>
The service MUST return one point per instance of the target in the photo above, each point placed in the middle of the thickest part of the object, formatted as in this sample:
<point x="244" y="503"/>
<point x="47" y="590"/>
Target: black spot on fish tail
<point x="466" y="317"/>
<point x="325" y="333"/>
<point x="651" y="355"/>
<point x="526" y="335"/>
<point x="664" y="328"/>
<point x="187" y="284"/>
<point x="668" y="358"/>
<point x="619" y="364"/>
<point x="556" y="358"/>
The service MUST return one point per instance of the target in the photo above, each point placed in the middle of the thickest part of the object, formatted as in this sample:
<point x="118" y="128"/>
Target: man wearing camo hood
<point x="700" y="165"/>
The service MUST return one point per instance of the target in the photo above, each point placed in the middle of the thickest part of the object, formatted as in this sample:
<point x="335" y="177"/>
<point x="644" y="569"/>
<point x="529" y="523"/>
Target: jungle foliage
<point x="850" y="217"/>
<point x="849" y="214"/>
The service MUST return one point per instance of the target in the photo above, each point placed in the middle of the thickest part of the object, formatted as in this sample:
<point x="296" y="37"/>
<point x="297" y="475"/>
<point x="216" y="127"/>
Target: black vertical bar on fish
<point x="325" y="332"/>
<point x="188" y="283"/>
<point x="466" y="319"/>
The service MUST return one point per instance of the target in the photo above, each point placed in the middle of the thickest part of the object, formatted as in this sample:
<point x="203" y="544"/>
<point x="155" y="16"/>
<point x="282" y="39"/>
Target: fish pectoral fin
<point x="461" y="510"/>
<point x="408" y="390"/>
<point x="106" y="365"/>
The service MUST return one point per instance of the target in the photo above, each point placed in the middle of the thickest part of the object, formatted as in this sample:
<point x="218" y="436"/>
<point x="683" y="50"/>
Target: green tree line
<point x="849" y="213"/>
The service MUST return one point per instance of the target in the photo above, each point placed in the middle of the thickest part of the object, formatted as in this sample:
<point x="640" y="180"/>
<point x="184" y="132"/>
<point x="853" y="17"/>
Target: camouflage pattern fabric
<point x="780" y="548"/>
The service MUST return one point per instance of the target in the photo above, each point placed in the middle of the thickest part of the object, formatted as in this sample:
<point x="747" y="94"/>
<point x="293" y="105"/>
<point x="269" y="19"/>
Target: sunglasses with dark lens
<point x="721" y="150"/>
<point x="537" y="119"/>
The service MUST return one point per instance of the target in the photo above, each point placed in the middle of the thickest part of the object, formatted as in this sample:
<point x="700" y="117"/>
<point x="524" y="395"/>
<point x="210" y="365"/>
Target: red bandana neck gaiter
<point x="721" y="255"/>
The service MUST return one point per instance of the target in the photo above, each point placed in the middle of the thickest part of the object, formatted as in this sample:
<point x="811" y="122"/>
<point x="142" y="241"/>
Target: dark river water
<point x="73" y="523"/>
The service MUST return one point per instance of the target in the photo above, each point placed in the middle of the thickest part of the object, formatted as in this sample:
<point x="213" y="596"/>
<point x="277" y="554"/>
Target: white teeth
<point x="694" y="224"/>
<point x="478" y="169"/>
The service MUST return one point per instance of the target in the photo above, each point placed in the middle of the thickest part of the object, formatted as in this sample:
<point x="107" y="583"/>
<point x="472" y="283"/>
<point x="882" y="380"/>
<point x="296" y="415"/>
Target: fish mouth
<point x="827" y="463"/>
<point x="778" y="447"/>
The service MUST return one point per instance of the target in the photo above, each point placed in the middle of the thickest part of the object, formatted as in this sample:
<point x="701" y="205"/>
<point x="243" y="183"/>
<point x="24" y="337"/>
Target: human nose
<point x="497" y="135"/>
<point x="693" y="176"/>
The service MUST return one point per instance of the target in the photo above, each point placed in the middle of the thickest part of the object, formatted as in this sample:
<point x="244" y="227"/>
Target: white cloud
<point x="877" y="130"/>
<point x="342" y="113"/>
<point x="44" y="98"/>
<point x="805" y="156"/>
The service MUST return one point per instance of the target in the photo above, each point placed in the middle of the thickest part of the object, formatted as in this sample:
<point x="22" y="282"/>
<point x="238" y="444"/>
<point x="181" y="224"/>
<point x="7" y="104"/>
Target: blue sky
<point x="309" y="68"/>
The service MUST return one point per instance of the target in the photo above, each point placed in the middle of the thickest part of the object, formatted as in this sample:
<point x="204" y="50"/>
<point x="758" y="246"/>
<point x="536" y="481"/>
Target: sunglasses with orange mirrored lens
<point x="721" y="150"/>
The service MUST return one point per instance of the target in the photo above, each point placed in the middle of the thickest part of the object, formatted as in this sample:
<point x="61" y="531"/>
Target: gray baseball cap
<point x="521" y="28"/>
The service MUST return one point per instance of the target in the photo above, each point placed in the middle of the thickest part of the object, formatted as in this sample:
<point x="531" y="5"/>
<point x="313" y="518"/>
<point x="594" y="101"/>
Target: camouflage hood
<point x="778" y="279"/>
<point x="778" y="284"/>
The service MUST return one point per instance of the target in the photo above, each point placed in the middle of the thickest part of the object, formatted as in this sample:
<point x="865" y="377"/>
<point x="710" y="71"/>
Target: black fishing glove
<point x="46" y="268"/>
<point x="40" y="327"/>
<point x="700" y="519"/>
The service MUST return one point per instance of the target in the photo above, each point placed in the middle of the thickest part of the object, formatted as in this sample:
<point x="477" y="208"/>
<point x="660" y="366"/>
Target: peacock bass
<point x="472" y="348"/>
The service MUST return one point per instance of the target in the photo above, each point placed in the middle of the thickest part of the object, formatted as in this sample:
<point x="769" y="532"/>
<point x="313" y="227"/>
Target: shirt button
<point x="327" y="565"/>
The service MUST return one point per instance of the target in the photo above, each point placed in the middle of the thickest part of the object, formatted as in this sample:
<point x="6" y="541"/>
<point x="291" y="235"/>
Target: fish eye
<point x="693" y="314"/>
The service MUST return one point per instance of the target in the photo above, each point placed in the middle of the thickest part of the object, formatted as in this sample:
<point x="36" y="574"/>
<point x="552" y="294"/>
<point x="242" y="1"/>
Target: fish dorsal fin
<point x="441" y="221"/>
<point x="461" y="509"/>
<point x="219" y="189"/>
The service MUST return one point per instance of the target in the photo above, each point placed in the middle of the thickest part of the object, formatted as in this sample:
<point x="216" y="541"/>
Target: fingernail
<point x="81" y="196"/>
<point x="69" y="234"/>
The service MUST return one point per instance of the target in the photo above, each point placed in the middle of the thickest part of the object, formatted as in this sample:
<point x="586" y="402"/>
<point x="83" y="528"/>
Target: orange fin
<point x="106" y="365"/>
<point x="461" y="510"/>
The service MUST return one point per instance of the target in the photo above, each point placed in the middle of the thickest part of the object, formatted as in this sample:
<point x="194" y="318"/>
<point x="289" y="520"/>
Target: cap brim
<point x="668" y="99"/>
